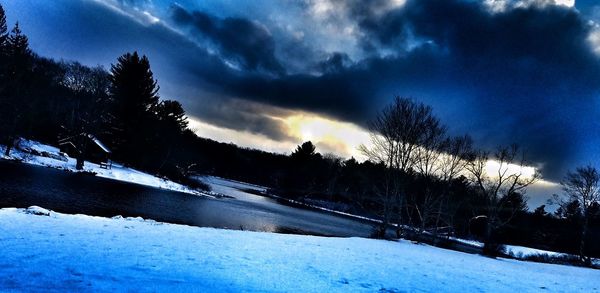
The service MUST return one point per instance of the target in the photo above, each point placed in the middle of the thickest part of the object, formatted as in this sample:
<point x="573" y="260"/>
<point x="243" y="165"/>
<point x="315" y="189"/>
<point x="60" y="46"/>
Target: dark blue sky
<point x="525" y="72"/>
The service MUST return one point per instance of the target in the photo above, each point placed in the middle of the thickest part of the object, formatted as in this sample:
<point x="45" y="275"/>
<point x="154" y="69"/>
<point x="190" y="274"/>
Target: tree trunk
<point x="80" y="162"/>
<point x="437" y="223"/>
<point x="7" y="151"/>
<point x="9" y="147"/>
<point x="82" y="152"/>
<point x="383" y="227"/>
<point x="586" y="260"/>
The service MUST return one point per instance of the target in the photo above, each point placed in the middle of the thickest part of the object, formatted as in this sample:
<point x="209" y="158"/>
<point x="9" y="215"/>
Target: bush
<point x="562" y="259"/>
<point x="179" y="175"/>
<point x="494" y="249"/>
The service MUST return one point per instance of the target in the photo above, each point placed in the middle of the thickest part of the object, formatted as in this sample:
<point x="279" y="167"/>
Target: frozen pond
<point x="23" y="185"/>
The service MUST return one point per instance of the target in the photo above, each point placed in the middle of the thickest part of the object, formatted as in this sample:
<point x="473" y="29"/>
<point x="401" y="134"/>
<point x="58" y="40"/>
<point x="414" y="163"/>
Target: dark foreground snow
<point x="42" y="250"/>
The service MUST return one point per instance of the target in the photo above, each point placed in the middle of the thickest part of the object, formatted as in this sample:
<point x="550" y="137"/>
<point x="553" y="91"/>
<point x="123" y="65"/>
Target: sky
<point x="271" y="74"/>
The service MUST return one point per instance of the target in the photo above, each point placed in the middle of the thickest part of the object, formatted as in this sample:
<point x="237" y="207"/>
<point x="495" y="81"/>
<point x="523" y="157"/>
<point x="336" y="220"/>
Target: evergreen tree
<point x="135" y="95"/>
<point x="172" y="115"/>
<point x="540" y="211"/>
<point x="304" y="151"/>
<point x="3" y="53"/>
<point x="570" y="211"/>
<point x="18" y="46"/>
<point x="133" y="84"/>
<point x="19" y="58"/>
<point x="18" y="65"/>
<point x="3" y="32"/>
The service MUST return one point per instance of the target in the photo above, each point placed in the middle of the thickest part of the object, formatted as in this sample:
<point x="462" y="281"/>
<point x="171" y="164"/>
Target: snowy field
<point x="54" y="159"/>
<point x="61" y="252"/>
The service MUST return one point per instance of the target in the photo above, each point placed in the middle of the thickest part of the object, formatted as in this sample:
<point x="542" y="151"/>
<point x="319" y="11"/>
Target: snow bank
<point x="82" y="253"/>
<point x="38" y="211"/>
<point x="514" y="250"/>
<point x="35" y="153"/>
<point x="230" y="183"/>
<point x="522" y="251"/>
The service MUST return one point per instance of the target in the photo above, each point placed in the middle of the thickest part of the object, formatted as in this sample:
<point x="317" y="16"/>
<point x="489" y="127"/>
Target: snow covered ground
<point x="58" y="252"/>
<point x="52" y="157"/>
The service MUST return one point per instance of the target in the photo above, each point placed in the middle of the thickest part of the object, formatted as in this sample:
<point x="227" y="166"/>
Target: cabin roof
<point x="68" y="141"/>
<point x="99" y="143"/>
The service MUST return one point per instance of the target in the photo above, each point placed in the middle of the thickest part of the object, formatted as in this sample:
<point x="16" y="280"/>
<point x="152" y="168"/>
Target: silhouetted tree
<point x="306" y="167"/>
<point x="428" y="166"/>
<point x="4" y="71"/>
<point x="457" y="151"/>
<point x="540" y="211"/>
<point x="135" y="94"/>
<point x="500" y="187"/>
<point x="398" y="136"/>
<point x="583" y="186"/>
<point x="3" y="50"/>
<point x="172" y="114"/>
<point x="570" y="210"/>
<point x="171" y="124"/>
<point x="305" y="151"/>
<point x="18" y="65"/>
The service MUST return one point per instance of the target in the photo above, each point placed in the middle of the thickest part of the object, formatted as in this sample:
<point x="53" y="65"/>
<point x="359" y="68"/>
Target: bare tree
<point x="397" y="134"/>
<point x="88" y="105"/>
<point x="457" y="152"/>
<point x="498" y="184"/>
<point x="431" y="148"/>
<point x="428" y="167"/>
<point x="441" y="160"/>
<point x="582" y="186"/>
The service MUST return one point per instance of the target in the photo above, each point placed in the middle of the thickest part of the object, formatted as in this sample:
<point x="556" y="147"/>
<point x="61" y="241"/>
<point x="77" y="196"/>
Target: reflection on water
<point x="23" y="185"/>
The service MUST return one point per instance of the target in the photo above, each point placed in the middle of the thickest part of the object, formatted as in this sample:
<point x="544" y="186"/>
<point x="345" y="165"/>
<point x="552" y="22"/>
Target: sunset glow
<point x="341" y="137"/>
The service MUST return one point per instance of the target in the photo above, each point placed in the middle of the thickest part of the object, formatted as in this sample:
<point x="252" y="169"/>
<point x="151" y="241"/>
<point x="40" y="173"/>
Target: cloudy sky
<point x="270" y="74"/>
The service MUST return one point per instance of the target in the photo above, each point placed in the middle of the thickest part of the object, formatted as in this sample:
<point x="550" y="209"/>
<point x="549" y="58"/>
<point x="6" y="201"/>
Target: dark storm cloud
<point x="247" y="43"/>
<point x="525" y="75"/>
<point x="245" y="116"/>
<point x="528" y="73"/>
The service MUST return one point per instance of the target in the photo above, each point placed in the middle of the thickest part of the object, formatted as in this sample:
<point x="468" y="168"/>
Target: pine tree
<point x="133" y="84"/>
<point x="18" y="65"/>
<point x="304" y="151"/>
<point x="540" y="211"/>
<point x="18" y="44"/>
<point x="3" y="29"/>
<point x="4" y="101"/>
<point x="19" y="56"/>
<point x="3" y="51"/>
<point x="135" y="95"/>
<point x="171" y="114"/>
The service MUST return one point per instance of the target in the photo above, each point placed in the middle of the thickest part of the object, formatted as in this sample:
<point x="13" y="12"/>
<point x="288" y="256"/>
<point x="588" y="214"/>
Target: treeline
<point x="416" y="175"/>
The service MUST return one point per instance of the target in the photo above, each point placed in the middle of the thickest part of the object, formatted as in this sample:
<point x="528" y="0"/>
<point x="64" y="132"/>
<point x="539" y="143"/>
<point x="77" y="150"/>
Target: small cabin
<point x="93" y="149"/>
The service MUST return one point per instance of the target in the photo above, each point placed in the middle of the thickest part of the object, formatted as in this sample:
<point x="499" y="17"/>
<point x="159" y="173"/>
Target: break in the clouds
<point x="524" y="71"/>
